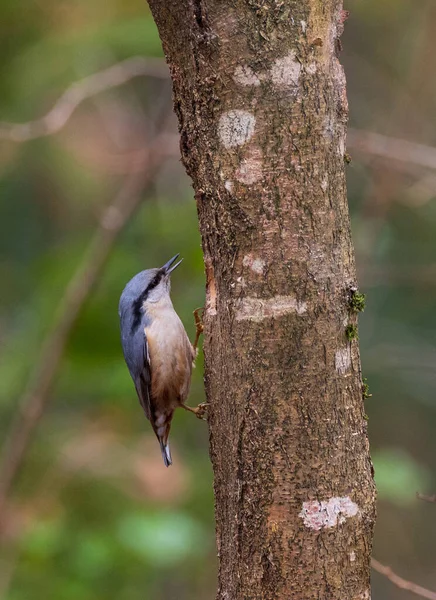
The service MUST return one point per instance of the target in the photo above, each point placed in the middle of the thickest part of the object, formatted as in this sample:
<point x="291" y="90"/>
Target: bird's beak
<point x="167" y="266"/>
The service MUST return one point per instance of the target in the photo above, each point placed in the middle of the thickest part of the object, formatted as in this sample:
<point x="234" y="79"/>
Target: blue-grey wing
<point x="135" y="349"/>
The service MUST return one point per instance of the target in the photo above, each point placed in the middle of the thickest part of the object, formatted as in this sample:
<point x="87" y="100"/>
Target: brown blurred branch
<point x="58" y="116"/>
<point x="7" y="570"/>
<point x="431" y="499"/>
<point x="37" y="395"/>
<point x="403" y="275"/>
<point x="401" y="583"/>
<point x="391" y="148"/>
<point x="368" y="142"/>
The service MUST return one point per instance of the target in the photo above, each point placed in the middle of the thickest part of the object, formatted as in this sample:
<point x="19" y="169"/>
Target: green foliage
<point x="164" y="538"/>
<point x="351" y="332"/>
<point x="357" y="301"/>
<point x="105" y="518"/>
<point x="398" y="476"/>
<point x="365" y="389"/>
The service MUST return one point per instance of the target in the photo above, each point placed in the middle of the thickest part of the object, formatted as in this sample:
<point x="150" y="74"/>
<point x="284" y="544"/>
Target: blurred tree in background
<point x="94" y="514"/>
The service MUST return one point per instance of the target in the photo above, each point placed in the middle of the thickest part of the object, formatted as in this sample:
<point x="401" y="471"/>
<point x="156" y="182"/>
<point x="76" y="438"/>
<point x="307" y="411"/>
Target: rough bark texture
<point x="261" y="101"/>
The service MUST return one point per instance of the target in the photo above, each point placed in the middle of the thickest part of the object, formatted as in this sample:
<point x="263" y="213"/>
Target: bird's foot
<point x="199" y="327"/>
<point x="199" y="411"/>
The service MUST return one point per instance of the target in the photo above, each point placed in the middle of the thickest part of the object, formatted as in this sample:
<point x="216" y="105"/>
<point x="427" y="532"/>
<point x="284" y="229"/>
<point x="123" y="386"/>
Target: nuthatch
<point x="157" y="349"/>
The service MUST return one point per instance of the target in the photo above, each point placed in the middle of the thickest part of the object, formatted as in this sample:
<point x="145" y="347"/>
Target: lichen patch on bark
<point x="229" y="186"/>
<point x="311" y="68"/>
<point x="244" y="75"/>
<point x="325" y="514"/>
<point x="236" y="127"/>
<point x="285" y="71"/>
<point x="343" y="360"/>
<point x="250" y="169"/>
<point x="341" y="147"/>
<point x="258" y="309"/>
<point x="256" y="264"/>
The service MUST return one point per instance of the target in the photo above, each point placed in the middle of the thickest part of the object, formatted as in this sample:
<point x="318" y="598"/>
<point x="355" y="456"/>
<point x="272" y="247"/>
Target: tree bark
<point x="261" y="101"/>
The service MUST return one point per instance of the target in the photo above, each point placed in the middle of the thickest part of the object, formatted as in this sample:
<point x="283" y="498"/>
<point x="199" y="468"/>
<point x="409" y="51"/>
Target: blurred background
<point x="93" y="513"/>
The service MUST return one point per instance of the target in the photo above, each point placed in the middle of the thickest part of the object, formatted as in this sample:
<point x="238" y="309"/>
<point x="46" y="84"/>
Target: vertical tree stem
<point x="261" y="101"/>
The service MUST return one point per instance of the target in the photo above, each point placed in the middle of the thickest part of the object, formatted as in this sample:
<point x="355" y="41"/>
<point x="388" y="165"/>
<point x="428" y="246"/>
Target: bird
<point x="157" y="350"/>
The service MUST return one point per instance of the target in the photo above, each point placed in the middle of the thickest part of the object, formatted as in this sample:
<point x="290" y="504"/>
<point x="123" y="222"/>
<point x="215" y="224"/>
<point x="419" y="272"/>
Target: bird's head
<point x="152" y="285"/>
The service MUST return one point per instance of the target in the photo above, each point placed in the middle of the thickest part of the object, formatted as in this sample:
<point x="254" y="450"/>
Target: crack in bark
<point x="198" y="13"/>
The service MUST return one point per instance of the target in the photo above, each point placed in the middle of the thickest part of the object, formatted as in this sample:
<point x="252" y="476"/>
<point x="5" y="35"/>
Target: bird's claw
<point x="201" y="411"/>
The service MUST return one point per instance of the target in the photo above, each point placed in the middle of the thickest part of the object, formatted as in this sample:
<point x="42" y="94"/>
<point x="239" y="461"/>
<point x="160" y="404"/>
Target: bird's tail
<point x="162" y="425"/>
<point x="166" y="453"/>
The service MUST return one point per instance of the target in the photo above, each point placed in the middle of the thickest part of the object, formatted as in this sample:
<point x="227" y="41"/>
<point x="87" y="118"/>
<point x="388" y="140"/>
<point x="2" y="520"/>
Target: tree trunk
<point x="261" y="101"/>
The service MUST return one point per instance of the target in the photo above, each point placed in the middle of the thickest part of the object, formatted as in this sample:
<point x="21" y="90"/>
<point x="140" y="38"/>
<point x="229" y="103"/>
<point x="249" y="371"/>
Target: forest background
<point x="93" y="513"/>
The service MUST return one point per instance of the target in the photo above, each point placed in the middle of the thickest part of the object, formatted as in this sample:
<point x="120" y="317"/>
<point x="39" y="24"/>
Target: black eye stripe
<point x="153" y="283"/>
<point x="137" y="304"/>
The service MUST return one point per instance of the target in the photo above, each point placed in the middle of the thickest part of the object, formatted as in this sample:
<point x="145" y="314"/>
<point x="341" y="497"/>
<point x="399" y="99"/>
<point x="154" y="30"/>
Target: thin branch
<point x="7" y="571"/>
<point x="401" y="583"/>
<point x="431" y="499"/>
<point x="58" y="116"/>
<point x="375" y="144"/>
<point x="392" y="148"/>
<point x="37" y="395"/>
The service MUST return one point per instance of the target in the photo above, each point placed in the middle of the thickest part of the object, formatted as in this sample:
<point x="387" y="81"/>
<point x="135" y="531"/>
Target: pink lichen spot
<point x="285" y="71"/>
<point x="343" y="360"/>
<point x="311" y="68"/>
<point x="244" y="75"/>
<point x="236" y="127"/>
<point x="325" y="514"/>
<point x="251" y="168"/>
<point x="256" y="264"/>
